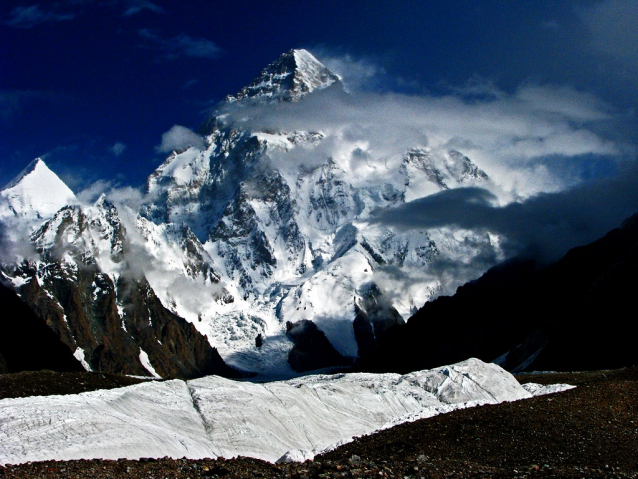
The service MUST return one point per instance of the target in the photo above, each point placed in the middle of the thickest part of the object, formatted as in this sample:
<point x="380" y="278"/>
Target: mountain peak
<point x="289" y="78"/>
<point x="36" y="191"/>
<point x="37" y="164"/>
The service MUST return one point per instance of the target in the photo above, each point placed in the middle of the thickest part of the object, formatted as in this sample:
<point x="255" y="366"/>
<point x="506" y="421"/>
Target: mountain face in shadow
<point x="26" y="342"/>
<point x="575" y="314"/>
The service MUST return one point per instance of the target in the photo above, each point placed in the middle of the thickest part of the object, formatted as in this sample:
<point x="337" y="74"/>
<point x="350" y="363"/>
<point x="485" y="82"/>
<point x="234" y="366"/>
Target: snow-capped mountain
<point x="263" y="239"/>
<point x="295" y="74"/>
<point x="77" y="278"/>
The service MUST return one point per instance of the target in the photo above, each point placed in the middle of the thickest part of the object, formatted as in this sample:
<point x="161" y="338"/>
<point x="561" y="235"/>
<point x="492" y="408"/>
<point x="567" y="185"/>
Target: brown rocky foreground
<point x="590" y="431"/>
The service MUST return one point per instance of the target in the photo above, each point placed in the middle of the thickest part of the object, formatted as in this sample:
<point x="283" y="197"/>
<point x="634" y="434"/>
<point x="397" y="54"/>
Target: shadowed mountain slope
<point x="575" y="314"/>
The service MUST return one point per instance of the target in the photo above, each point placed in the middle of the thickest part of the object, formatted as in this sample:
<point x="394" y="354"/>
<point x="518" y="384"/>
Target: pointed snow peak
<point x="36" y="192"/>
<point x="292" y="76"/>
<point x="38" y="164"/>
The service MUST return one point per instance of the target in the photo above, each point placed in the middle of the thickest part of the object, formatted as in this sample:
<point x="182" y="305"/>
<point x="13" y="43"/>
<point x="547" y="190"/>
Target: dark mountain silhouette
<point x="576" y="314"/>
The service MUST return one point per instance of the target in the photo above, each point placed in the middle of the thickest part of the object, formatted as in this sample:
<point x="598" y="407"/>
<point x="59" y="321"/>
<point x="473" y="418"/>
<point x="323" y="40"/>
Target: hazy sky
<point x="92" y="86"/>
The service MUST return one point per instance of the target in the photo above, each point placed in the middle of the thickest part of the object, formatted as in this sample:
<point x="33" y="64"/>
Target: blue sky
<point x="92" y="86"/>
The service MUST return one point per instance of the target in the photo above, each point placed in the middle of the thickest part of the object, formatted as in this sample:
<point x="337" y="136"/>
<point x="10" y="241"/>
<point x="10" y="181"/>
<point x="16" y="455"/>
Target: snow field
<point x="212" y="416"/>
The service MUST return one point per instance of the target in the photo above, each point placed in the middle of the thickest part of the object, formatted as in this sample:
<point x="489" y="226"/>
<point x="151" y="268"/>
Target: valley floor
<point x="589" y="431"/>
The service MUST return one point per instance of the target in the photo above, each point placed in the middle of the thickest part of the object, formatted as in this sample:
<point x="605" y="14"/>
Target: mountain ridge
<point x="256" y="228"/>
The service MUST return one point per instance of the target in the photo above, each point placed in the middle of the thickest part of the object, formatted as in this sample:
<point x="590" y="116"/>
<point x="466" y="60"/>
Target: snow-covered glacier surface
<point x="212" y="416"/>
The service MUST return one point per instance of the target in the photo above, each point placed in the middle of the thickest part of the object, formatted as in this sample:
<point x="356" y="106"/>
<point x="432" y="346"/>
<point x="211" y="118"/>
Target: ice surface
<point x="540" y="390"/>
<point x="79" y="355"/>
<point x="212" y="416"/>
<point x="150" y="419"/>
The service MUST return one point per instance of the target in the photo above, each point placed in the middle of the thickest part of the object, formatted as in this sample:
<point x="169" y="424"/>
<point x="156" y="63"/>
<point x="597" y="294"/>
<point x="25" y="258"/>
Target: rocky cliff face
<point x="77" y="281"/>
<point x="259" y="228"/>
<point x="26" y="342"/>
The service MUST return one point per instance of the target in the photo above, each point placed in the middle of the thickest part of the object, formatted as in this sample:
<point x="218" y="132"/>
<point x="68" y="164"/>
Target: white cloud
<point x="118" y="148"/>
<point x="126" y="196"/>
<point x="515" y="137"/>
<point x="93" y="191"/>
<point x="28" y="17"/>
<point x="182" y="45"/>
<point x="179" y="138"/>
<point x="118" y="195"/>
<point x="355" y="73"/>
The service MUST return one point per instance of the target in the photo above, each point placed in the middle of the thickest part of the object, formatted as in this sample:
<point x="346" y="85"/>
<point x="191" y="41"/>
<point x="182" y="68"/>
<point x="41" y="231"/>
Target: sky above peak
<point x="97" y="88"/>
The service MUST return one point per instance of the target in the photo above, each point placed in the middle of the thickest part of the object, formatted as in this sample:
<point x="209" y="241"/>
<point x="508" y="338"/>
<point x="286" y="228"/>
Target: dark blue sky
<point x="93" y="85"/>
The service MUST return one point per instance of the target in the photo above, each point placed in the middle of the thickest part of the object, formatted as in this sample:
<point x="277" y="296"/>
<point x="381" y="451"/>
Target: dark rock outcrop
<point x="311" y="349"/>
<point x="374" y="317"/>
<point x="575" y="314"/>
<point x="82" y="318"/>
<point x="26" y="343"/>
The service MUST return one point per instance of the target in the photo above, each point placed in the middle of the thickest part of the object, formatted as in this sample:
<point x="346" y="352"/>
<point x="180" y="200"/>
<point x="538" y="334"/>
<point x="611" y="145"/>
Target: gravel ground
<point x="590" y="431"/>
<point x="48" y="383"/>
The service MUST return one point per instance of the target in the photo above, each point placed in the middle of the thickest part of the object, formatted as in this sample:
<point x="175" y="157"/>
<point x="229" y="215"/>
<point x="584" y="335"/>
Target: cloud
<point x="355" y="73"/>
<point x="612" y="24"/>
<point x="182" y="45"/>
<point x="538" y="138"/>
<point x="561" y="176"/>
<point x="545" y="225"/>
<point x="118" y="148"/>
<point x="13" y="232"/>
<point x="28" y="17"/>
<point x="121" y="196"/>
<point x="92" y="192"/>
<point x="126" y="196"/>
<point x="137" y="6"/>
<point x="179" y="138"/>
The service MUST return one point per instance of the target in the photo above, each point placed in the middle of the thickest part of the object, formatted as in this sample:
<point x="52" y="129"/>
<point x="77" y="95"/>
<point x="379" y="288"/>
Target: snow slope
<point x="212" y="416"/>
<point x="36" y="193"/>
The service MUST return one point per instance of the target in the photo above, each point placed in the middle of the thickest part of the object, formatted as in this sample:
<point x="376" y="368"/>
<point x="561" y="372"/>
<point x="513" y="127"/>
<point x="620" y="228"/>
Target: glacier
<point x="213" y="416"/>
